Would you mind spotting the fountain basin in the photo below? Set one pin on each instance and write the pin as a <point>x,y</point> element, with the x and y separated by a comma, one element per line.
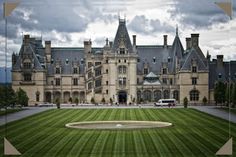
<point>113,125</point>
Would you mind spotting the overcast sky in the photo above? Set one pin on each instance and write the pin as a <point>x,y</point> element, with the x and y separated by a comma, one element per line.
<point>69,23</point>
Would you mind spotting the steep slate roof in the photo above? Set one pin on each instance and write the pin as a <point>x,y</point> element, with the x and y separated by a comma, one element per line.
<point>215,70</point>
<point>62,54</point>
<point>122,33</point>
<point>151,75</point>
<point>176,53</point>
<point>190,56</point>
<point>146,54</point>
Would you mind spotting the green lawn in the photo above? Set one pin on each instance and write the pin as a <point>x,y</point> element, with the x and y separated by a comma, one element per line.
<point>194,134</point>
<point>9,111</point>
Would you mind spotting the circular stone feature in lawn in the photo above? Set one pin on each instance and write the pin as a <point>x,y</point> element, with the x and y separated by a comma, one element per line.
<point>118,124</point>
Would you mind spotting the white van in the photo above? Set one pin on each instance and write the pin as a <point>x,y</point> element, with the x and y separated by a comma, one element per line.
<point>165,102</point>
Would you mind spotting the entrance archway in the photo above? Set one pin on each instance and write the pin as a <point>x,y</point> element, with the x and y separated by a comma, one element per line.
<point>122,97</point>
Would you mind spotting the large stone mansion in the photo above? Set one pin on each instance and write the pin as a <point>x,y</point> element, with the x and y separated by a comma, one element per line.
<point>120,71</point>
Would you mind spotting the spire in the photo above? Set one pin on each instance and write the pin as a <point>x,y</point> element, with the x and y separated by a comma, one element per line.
<point>177,30</point>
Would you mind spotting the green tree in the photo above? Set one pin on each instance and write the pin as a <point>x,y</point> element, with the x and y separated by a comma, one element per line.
<point>58,103</point>
<point>204,100</point>
<point>70,99</point>
<point>185,102</point>
<point>21,97</point>
<point>76,101</point>
<point>219,92</point>
<point>103,100</point>
<point>7,96</point>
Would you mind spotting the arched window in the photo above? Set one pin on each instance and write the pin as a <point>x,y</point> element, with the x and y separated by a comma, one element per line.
<point>176,95</point>
<point>194,95</point>
<point>157,95</point>
<point>147,95</point>
<point>166,94</point>
<point>139,96</point>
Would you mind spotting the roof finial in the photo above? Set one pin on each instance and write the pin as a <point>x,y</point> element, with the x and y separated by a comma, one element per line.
<point>177,30</point>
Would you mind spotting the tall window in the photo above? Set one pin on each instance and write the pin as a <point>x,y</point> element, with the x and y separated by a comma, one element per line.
<point>58,81</point>
<point>75,81</point>
<point>97,63</point>
<point>176,95</point>
<point>90,74</point>
<point>194,69</point>
<point>57,70</point>
<point>90,64</point>
<point>98,72</point>
<point>27,65</point>
<point>164,71</point>
<point>145,71</point>
<point>122,69</point>
<point>75,70</point>
<point>98,83</point>
<point>122,51</point>
<point>194,81</point>
<point>27,77</point>
<point>194,95</point>
<point>122,81</point>
<point>164,80</point>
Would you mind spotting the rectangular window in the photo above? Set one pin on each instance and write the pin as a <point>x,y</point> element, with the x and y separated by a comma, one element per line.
<point>164,71</point>
<point>75,81</point>
<point>107,71</point>
<point>106,82</point>
<point>164,80</point>
<point>27,65</point>
<point>107,91</point>
<point>122,51</point>
<point>106,60</point>
<point>194,69</point>
<point>37,97</point>
<point>27,77</point>
<point>75,70</point>
<point>171,82</point>
<point>137,80</point>
<point>90,85</point>
<point>90,64</point>
<point>97,63</point>
<point>90,74</point>
<point>98,72</point>
<point>145,71</point>
<point>58,81</point>
<point>98,83</point>
<point>57,70</point>
<point>194,81</point>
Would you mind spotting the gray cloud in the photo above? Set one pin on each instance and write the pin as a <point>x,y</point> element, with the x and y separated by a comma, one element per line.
<point>197,14</point>
<point>141,24</point>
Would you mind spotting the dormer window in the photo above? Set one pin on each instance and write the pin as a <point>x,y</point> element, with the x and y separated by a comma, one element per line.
<point>194,69</point>
<point>169,59</point>
<point>154,59</point>
<point>57,70</point>
<point>145,71</point>
<point>219,75</point>
<point>164,71</point>
<point>52,61</point>
<point>122,51</point>
<point>27,65</point>
<point>75,70</point>
<point>67,61</point>
<point>81,61</point>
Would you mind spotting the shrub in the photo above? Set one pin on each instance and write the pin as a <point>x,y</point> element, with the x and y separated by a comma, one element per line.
<point>76,101</point>
<point>92,100</point>
<point>103,100</point>
<point>111,101</point>
<point>70,99</point>
<point>204,100</point>
<point>21,97</point>
<point>58,103</point>
<point>185,102</point>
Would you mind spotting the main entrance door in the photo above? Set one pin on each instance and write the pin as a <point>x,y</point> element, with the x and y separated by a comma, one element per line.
<point>122,97</point>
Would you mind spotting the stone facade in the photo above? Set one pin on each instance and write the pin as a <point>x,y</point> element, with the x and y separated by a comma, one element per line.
<point>121,71</point>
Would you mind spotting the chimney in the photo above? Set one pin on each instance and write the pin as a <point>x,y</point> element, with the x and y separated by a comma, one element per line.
<point>88,46</point>
<point>26,39</point>
<point>13,59</point>
<point>195,41</point>
<point>165,40</point>
<point>106,41</point>
<point>134,40</point>
<point>111,44</point>
<point>220,60</point>
<point>188,43</point>
<point>48,51</point>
